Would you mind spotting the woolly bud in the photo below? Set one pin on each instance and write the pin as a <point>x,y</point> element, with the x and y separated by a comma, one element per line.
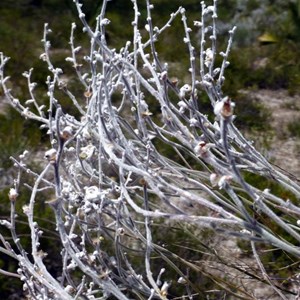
<point>202,149</point>
<point>183,90</point>
<point>224,107</point>
<point>197,24</point>
<point>92,193</point>
<point>66,133</point>
<point>183,106</point>
<point>50,155</point>
<point>224,180</point>
<point>12,195</point>
<point>164,289</point>
<point>105,22</point>
<point>209,56</point>
<point>69,289</point>
<point>214,179</point>
<point>182,280</point>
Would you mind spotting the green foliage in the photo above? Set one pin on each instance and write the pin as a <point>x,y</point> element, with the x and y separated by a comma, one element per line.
<point>262,184</point>
<point>116,27</point>
<point>264,67</point>
<point>252,115</point>
<point>282,71</point>
<point>18,40</point>
<point>16,136</point>
<point>294,128</point>
<point>12,4</point>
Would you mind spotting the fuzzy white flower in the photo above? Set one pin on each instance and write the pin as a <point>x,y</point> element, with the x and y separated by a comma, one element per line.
<point>164,288</point>
<point>181,280</point>
<point>193,122</point>
<point>223,181</point>
<point>50,155</point>
<point>202,149</point>
<point>92,193</point>
<point>69,59</point>
<point>29,101</point>
<point>183,106</point>
<point>25,209</point>
<point>66,133</point>
<point>197,24</point>
<point>13,194</point>
<point>224,107</point>
<point>209,55</point>
<point>184,89</point>
<point>69,289</point>
<point>209,9</point>
<point>218,108</point>
<point>214,178</point>
<point>105,22</point>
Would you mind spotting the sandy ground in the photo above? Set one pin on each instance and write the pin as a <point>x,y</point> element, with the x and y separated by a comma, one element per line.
<point>285,149</point>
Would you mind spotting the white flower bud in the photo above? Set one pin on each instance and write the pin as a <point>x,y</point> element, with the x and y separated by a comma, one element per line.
<point>209,9</point>
<point>225,179</point>
<point>66,133</point>
<point>181,280</point>
<point>209,55</point>
<point>12,195</point>
<point>224,107</point>
<point>164,289</point>
<point>218,108</point>
<point>197,24</point>
<point>184,89</point>
<point>50,155</point>
<point>92,193</point>
<point>193,122</point>
<point>202,149</point>
<point>183,106</point>
<point>69,59</point>
<point>105,22</point>
<point>69,289</point>
<point>25,209</point>
<point>27,102</point>
<point>214,179</point>
<point>43,56</point>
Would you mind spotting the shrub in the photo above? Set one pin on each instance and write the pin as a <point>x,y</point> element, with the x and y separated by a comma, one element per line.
<point>131,216</point>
